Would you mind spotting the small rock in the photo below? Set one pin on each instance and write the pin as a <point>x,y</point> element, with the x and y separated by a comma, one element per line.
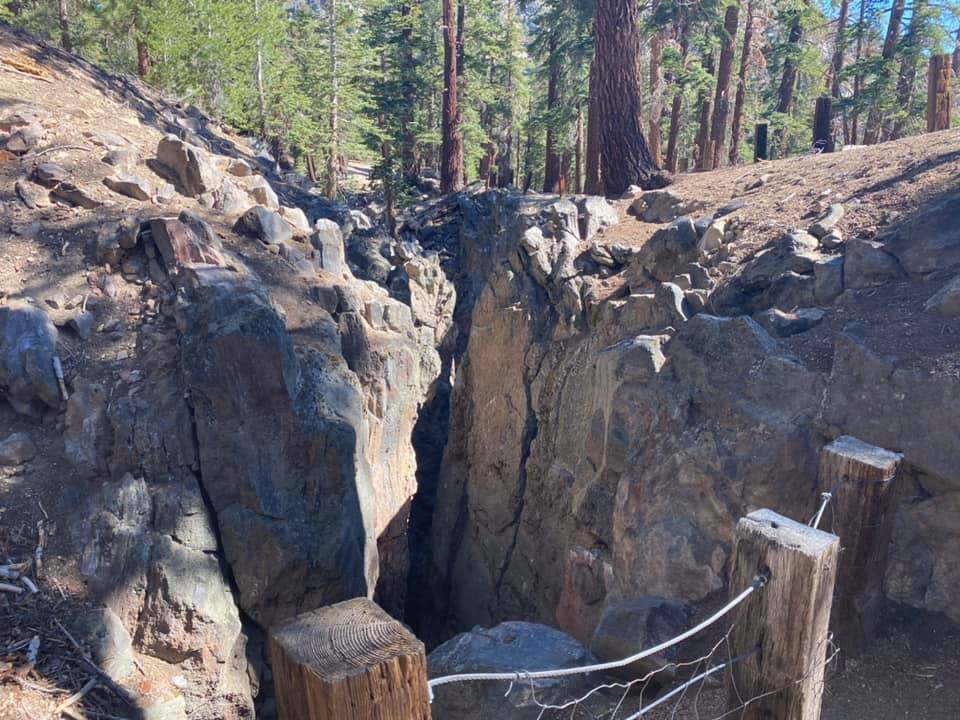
<point>197,176</point>
<point>832,240</point>
<point>759,182</point>
<point>683,282</point>
<point>129,185</point>
<point>33,197</point>
<point>867,263</point>
<point>828,279</point>
<point>74,302</point>
<point>264,224</point>
<point>632,624</point>
<point>327,241</point>
<point>713,236</point>
<point>17,449</point>
<point>75,195</point>
<point>360,220</point>
<point>166,193</point>
<point>784,324</point>
<point>104,138</point>
<point>297,218</point>
<point>730,207</point>
<point>828,222</point>
<point>123,160</point>
<point>947,300</point>
<point>238,167</point>
<point>49,174</point>
<point>263,193</point>
<point>55,301</point>
<point>82,324</point>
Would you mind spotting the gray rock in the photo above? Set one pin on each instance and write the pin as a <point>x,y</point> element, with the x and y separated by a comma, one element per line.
<point>166,193</point>
<point>505,648</point>
<point>660,206</point>
<point>239,167</point>
<point>131,186</point>
<point>106,139</point>
<point>833,240</point>
<point>297,219</point>
<point>112,648</point>
<point>261,191</point>
<point>712,238</point>
<point>867,263</point>
<point>630,625</point>
<point>828,222</point>
<point>595,213</point>
<point>17,449</point>
<point>196,175</point>
<point>123,160</point>
<point>828,279</point>
<point>25,138</point>
<point>784,324</point>
<point>29,344</point>
<point>49,174</point>
<point>668,251</point>
<point>82,323</point>
<point>788,291</point>
<point>265,225</point>
<point>327,240</point>
<point>360,220</point>
<point>75,195</point>
<point>699,276</point>
<point>947,300</point>
<point>33,197</point>
<point>929,240</point>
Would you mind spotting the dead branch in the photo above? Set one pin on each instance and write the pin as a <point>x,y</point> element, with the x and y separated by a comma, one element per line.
<point>76,697</point>
<point>117,690</point>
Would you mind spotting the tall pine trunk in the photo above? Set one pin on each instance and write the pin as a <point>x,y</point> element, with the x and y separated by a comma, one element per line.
<point>656,90</point>
<point>334,150</point>
<point>676,109</point>
<point>63,15</point>
<point>788,81</point>
<point>721,101</point>
<point>839,45</point>
<point>737,125</point>
<point>409,162</point>
<point>624,157</point>
<point>858,78</point>
<point>706,110</point>
<point>578,153</point>
<point>504,161</point>
<point>871,133</point>
<point>258,76</point>
<point>451,154</point>
<point>908,69</point>
<point>592,184</point>
<point>552,170</point>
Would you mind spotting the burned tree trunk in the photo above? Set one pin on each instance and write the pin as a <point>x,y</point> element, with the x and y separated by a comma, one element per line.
<point>721,102</point>
<point>737,127</point>
<point>592,184</point>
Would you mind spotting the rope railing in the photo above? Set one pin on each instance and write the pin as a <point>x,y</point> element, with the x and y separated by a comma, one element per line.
<point>521,675</point>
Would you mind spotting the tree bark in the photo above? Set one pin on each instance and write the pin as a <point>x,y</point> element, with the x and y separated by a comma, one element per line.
<point>409,163</point>
<point>721,101</point>
<point>871,133</point>
<point>258,71</point>
<point>836,65</point>
<point>451,156</point>
<point>788,81</point>
<point>656,90</point>
<point>737,126</point>
<point>706,108</point>
<point>334,149</point>
<point>624,157</point>
<point>858,80</point>
<point>63,14</point>
<point>592,184</point>
<point>578,154</point>
<point>676,110</point>
<point>551,168</point>
<point>908,69</point>
<point>505,163</point>
<point>956,55</point>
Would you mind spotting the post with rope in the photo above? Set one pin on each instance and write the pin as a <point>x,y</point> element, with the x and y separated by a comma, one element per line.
<point>349,660</point>
<point>783,630</point>
<point>857,480</point>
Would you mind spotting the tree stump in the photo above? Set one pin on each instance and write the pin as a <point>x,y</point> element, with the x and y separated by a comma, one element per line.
<point>784,626</point>
<point>349,661</point>
<point>760,151</point>
<point>860,476</point>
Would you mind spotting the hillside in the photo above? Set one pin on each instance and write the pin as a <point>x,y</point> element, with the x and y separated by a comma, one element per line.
<point>526,408</point>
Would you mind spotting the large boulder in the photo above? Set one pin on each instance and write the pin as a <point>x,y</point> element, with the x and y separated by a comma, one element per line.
<point>27,350</point>
<point>595,214</point>
<point>265,225</point>
<point>196,175</point>
<point>508,647</point>
<point>667,253</point>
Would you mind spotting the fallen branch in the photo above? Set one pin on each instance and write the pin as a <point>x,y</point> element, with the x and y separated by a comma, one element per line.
<point>76,697</point>
<point>4,587</point>
<point>31,586</point>
<point>55,148</point>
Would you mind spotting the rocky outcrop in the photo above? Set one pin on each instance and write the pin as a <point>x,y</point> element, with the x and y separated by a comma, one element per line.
<point>29,345</point>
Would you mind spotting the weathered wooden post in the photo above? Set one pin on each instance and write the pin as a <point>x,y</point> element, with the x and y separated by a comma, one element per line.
<point>785,624</point>
<point>349,661</point>
<point>938,93</point>
<point>760,142</point>
<point>860,478</point>
<point>823,125</point>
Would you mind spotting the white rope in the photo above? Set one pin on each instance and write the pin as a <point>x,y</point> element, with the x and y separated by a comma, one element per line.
<point>518,676</point>
<point>815,522</point>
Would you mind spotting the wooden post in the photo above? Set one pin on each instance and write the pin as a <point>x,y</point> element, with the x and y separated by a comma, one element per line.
<point>823,125</point>
<point>860,477</point>
<point>938,93</point>
<point>683,164</point>
<point>786,623</point>
<point>348,661</point>
<point>760,142</point>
